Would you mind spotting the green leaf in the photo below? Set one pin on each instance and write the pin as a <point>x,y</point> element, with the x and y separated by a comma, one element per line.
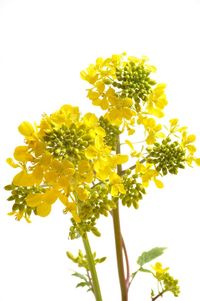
<point>82,284</point>
<point>150,255</point>
<point>81,276</point>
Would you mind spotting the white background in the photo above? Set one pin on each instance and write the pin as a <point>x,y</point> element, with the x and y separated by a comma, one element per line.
<point>43,46</point>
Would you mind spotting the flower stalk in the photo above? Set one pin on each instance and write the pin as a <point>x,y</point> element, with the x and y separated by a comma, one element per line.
<point>91,264</point>
<point>119,243</point>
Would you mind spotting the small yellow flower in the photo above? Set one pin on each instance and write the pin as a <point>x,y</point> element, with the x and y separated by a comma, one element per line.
<point>159,269</point>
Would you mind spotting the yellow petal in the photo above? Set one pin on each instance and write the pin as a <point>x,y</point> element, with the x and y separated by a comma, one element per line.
<point>43,209</point>
<point>191,138</point>
<point>64,199</point>
<point>82,193</point>
<point>129,143</point>
<point>100,86</point>
<point>26,128</point>
<point>75,216</point>
<point>90,119</point>
<point>21,154</point>
<point>174,121</point>
<point>50,196</point>
<point>24,179</point>
<point>91,152</point>
<point>33,200</point>
<point>121,188</point>
<point>197,161</point>
<point>83,166</point>
<point>158,183</point>
<point>114,190</point>
<point>120,159</point>
<point>11,162</point>
<point>192,149</point>
<point>150,138</point>
<point>92,95</point>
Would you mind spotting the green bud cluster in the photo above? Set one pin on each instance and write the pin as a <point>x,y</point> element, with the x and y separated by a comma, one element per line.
<point>112,132</point>
<point>133,81</point>
<point>170,284</point>
<point>167,156</point>
<point>89,211</point>
<point>68,142</point>
<point>19,194</point>
<point>134,190</point>
<point>81,259</point>
<point>78,230</point>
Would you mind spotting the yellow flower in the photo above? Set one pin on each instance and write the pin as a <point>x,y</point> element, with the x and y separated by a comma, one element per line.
<point>157,101</point>
<point>85,172</point>
<point>116,184</point>
<point>159,269</point>
<point>23,178</point>
<point>82,193</point>
<point>42,201</point>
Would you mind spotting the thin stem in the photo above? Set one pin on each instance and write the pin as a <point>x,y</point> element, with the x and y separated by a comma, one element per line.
<point>118,240</point>
<point>119,253</point>
<point>159,295</point>
<point>132,167</point>
<point>91,264</point>
<point>127,263</point>
<point>90,280</point>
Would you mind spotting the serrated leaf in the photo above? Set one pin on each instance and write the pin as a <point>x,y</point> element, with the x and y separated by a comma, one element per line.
<point>82,284</point>
<point>150,255</point>
<point>81,276</point>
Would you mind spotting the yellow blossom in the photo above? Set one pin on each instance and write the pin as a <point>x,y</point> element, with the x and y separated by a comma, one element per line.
<point>159,269</point>
<point>26,129</point>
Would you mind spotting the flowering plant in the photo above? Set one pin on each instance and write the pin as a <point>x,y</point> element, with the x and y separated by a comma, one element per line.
<point>93,164</point>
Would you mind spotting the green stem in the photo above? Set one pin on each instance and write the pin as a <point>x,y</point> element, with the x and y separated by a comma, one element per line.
<point>91,264</point>
<point>119,253</point>
<point>118,241</point>
<point>159,295</point>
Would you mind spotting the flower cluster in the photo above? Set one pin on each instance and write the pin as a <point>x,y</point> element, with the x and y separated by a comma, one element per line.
<point>76,159</point>
<point>112,132</point>
<point>166,281</point>
<point>167,156</point>
<point>134,190</point>
<point>123,86</point>
<point>97,202</point>
<point>65,158</point>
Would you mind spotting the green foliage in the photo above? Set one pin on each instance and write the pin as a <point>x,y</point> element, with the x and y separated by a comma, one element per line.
<point>150,255</point>
<point>86,281</point>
